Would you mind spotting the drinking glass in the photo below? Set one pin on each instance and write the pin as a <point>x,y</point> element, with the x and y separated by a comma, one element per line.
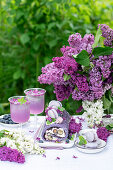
<point>19,109</point>
<point>36,97</point>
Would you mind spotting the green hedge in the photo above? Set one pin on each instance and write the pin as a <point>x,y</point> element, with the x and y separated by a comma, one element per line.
<point>33,31</point>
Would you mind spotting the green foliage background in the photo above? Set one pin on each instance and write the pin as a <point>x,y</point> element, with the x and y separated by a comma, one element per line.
<point>33,31</point>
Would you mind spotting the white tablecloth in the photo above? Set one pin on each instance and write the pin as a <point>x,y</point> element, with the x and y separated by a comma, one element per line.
<point>99,161</point>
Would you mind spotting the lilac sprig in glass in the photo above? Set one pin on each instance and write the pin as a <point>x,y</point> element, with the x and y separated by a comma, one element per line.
<point>36,97</point>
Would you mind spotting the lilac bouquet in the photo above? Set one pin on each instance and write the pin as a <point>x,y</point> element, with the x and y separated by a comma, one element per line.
<point>85,69</point>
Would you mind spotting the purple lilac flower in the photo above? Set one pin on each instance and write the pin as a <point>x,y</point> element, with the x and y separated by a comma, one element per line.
<point>12,155</point>
<point>81,82</point>
<point>103,133</point>
<point>96,83</point>
<point>88,38</point>
<point>81,119</point>
<point>78,95</point>
<point>44,155</point>
<point>49,119</point>
<point>108,34</point>
<point>81,87</point>
<point>75,40</point>
<point>107,116</point>
<point>75,156</point>
<point>57,158</point>
<point>51,74</point>
<point>74,127</point>
<point>62,92</point>
<point>79,109</point>
<point>68,64</point>
<point>104,62</point>
<point>87,47</point>
<point>69,51</point>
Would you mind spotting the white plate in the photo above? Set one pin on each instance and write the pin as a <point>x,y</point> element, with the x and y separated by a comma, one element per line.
<point>90,150</point>
<point>53,145</point>
<point>11,125</point>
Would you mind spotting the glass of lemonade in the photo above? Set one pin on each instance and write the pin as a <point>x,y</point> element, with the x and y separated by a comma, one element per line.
<point>19,109</point>
<point>36,97</point>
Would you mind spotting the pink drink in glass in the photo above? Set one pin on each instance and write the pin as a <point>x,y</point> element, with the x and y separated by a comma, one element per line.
<point>36,104</point>
<point>20,113</point>
<point>36,98</point>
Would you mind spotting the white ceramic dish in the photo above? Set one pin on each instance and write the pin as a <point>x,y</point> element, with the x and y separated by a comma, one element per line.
<point>11,125</point>
<point>53,145</point>
<point>83,149</point>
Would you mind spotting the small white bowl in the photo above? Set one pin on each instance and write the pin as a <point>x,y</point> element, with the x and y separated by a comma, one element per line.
<point>86,149</point>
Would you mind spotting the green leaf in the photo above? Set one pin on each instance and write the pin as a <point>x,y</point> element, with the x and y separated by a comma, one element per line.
<point>82,58</point>
<point>53,119</point>
<point>82,140</point>
<point>61,109</point>
<point>72,137</point>
<point>109,127</point>
<point>17,75</point>
<point>1,134</point>
<point>19,14</point>
<point>10,20</point>
<point>66,77</point>
<point>24,38</point>
<point>101,42</point>
<point>17,2</point>
<point>110,96</point>
<point>1,109</point>
<point>52,43</point>
<point>100,51</point>
<point>106,103</point>
<point>67,6</point>
<point>36,46</point>
<point>97,37</point>
<point>48,122</point>
<point>51,25</point>
<point>22,100</point>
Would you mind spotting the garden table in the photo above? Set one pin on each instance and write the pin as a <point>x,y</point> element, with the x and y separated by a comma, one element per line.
<point>98,161</point>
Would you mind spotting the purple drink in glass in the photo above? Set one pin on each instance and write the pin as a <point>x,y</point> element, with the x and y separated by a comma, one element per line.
<point>36,97</point>
<point>36,104</point>
<point>20,112</point>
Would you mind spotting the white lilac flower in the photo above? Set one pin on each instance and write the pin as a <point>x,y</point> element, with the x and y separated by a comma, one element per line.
<point>23,143</point>
<point>93,112</point>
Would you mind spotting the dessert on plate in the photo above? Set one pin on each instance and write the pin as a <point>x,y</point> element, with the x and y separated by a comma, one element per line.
<point>56,127</point>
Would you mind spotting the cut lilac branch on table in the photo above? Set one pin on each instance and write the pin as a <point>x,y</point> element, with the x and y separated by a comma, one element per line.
<point>103,133</point>
<point>44,155</point>
<point>12,155</point>
<point>74,156</point>
<point>74,127</point>
<point>57,158</point>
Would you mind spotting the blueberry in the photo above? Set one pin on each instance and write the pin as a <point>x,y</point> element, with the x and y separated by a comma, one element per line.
<point>67,140</point>
<point>69,137</point>
<point>2,121</point>
<point>9,119</point>
<point>11,122</point>
<point>6,121</point>
<point>5,117</point>
<point>41,141</point>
